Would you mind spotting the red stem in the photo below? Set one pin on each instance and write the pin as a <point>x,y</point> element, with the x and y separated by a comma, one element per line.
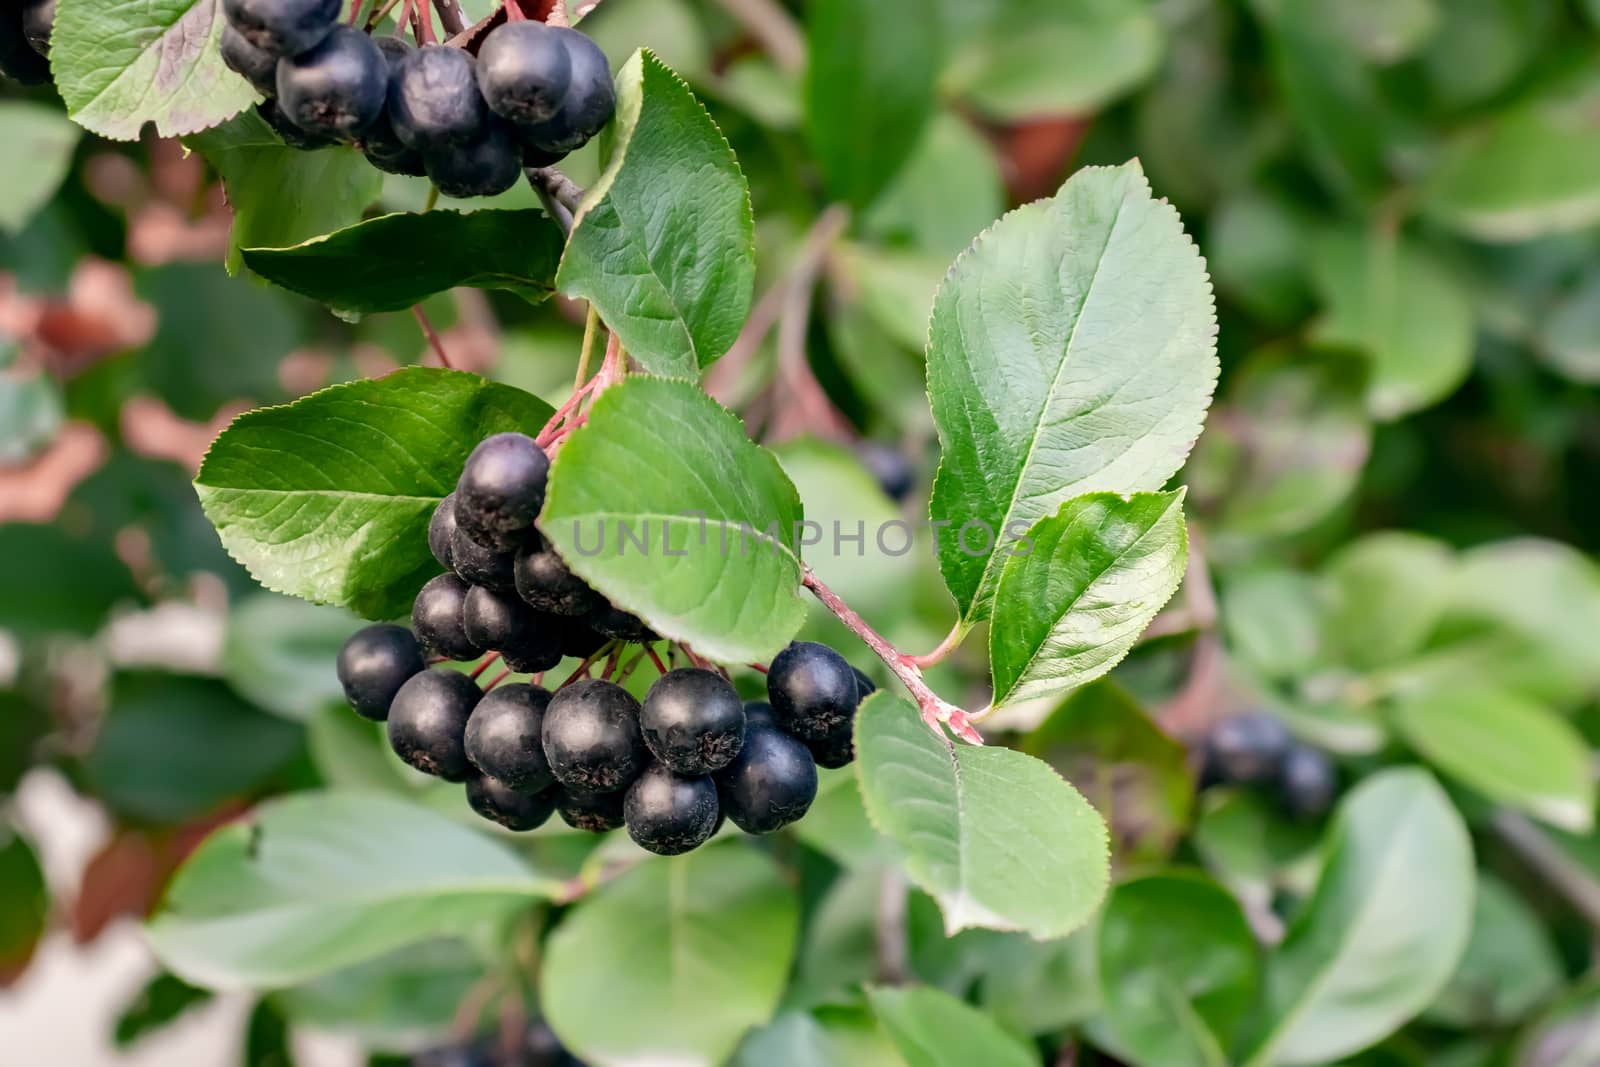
<point>583,668</point>
<point>934,710</point>
<point>514,12</point>
<point>355,11</point>
<point>758,667</point>
<point>947,646</point>
<point>432,335</point>
<point>551,431</point>
<point>502,676</point>
<point>488,661</point>
<point>655,658</point>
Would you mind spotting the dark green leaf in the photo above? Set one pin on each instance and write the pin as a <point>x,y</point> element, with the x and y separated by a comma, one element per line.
<point>162,1001</point>
<point>57,582</point>
<point>266,1038</point>
<point>280,653</point>
<point>27,904</point>
<point>1509,967</point>
<point>39,143</point>
<point>1385,593</point>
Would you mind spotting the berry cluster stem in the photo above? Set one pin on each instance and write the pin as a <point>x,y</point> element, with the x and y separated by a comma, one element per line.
<point>934,709</point>
<point>450,16</point>
<point>432,335</point>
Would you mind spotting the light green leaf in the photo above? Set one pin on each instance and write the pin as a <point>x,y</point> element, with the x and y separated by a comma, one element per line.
<point>673,961</point>
<point>1095,574</point>
<point>281,196</point>
<point>328,498</point>
<point>324,880</point>
<point>39,144</point>
<point>1568,337</point>
<point>394,261</point>
<point>837,824</point>
<point>834,1037</point>
<point>662,503</point>
<point>279,653</point>
<point>1384,595</point>
<point>393,1003</point>
<point>663,244</point>
<point>31,411</point>
<point>1382,933</point>
<point>948,191</point>
<point>996,836</point>
<point>1386,298</point>
<point>1386,31</point>
<point>1506,747</point>
<point>1273,618</point>
<point>1073,350</point>
<point>122,63</point>
<point>934,1029</point>
<point>1510,966</point>
<point>869,90</point>
<point>1178,969</point>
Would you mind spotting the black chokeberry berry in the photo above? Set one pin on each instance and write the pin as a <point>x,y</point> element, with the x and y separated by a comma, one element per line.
<point>889,467</point>
<point>501,488</point>
<point>612,621</point>
<point>511,808</point>
<point>428,723</point>
<point>580,640</point>
<point>380,143</point>
<point>434,100</point>
<point>591,737</point>
<point>1247,749</point>
<point>481,564</point>
<point>336,88</point>
<point>442,530</point>
<point>836,750</point>
<point>505,737</point>
<point>38,18</point>
<point>498,621</point>
<point>18,60</point>
<point>438,618</point>
<point>535,156</point>
<point>257,67</point>
<point>668,813</point>
<point>593,812</point>
<point>524,70</point>
<point>374,663</point>
<point>283,27</point>
<point>865,686</point>
<point>591,97</point>
<point>769,784</point>
<point>1308,780</point>
<point>544,581</point>
<point>288,132</point>
<point>486,166</point>
<point>813,690</point>
<point>692,721</point>
<point>539,652</point>
<point>759,714</point>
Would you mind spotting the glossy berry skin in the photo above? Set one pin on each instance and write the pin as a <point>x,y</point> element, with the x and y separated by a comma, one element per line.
<point>283,27</point>
<point>337,88</point>
<point>255,66</point>
<point>442,531</point>
<point>769,784</point>
<point>836,750</point>
<point>670,814</point>
<point>487,166</point>
<point>18,61</point>
<point>497,620</point>
<point>511,808</point>
<point>379,143</point>
<point>438,620</point>
<point>505,737</point>
<point>433,98</point>
<point>591,97</point>
<point>524,70</point>
<point>544,581</point>
<point>38,18</point>
<point>501,488</point>
<point>865,686</point>
<point>591,737</point>
<point>428,723</point>
<point>540,652</point>
<point>288,132</point>
<point>1308,781</point>
<point>592,812</point>
<point>1247,749</point>
<point>374,663</point>
<point>813,690</point>
<point>692,721</point>
<point>482,565</point>
<point>758,714</point>
<point>612,621</point>
<point>579,640</point>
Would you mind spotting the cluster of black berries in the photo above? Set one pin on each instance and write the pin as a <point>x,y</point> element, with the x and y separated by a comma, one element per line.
<point>1257,750</point>
<point>669,769</point>
<point>539,1047</point>
<point>25,39</point>
<point>469,123</point>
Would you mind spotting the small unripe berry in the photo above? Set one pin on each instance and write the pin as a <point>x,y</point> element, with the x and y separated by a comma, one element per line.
<point>769,784</point>
<point>669,814</point>
<point>437,618</point>
<point>591,737</point>
<point>428,723</point>
<point>813,690</point>
<point>692,721</point>
<point>514,810</point>
<point>505,737</point>
<point>374,663</point>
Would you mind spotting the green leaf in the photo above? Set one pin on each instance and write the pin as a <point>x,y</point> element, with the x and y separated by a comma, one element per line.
<point>674,960</point>
<point>1567,1036</point>
<point>934,1029</point>
<point>279,653</point>
<point>323,880</point>
<point>30,413</point>
<point>1251,845</point>
<point>1178,969</point>
<point>121,64</point>
<point>1385,594</point>
<point>328,498</point>
<point>395,1002</point>
<point>837,824</point>
<point>163,1000</point>
<point>1384,930</point>
<point>39,144</point>
<point>281,196</point>
<point>663,504</point>
<point>27,909</point>
<point>1386,298</point>
<point>1530,170</point>
<point>1510,966</point>
<point>869,90</point>
<point>1039,57</point>
<point>663,244</point>
<point>996,836</point>
<point>1096,573</point>
<point>949,189</point>
<point>394,261</point>
<point>835,1037</point>
<point>55,581</point>
<point>1073,350</point>
<point>1273,618</point>
<point>1507,748</point>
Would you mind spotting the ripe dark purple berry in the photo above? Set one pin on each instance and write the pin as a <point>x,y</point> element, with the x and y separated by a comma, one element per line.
<point>593,812</point>
<point>813,690</point>
<point>497,620</point>
<point>481,564</point>
<point>288,132</point>
<point>505,737</point>
<point>692,721</point>
<point>18,60</point>
<point>485,166</point>
<point>1247,749</point>
<point>769,784</point>
<point>889,467</point>
<point>836,750</point>
<point>258,67</point>
<point>1308,781</point>
<point>524,70</point>
<point>428,723</point>
<point>283,27</point>
<point>544,581</point>
<point>380,144</point>
<point>442,530</point>
<point>433,98</point>
<point>865,686</point>
<point>336,88</point>
<point>591,737</point>
<point>38,18</point>
<point>511,808</point>
<point>501,488</point>
<point>580,641</point>
<point>540,652</point>
<point>374,663</point>
<point>438,619</point>
<point>670,814</point>
<point>612,621</point>
<point>759,714</point>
